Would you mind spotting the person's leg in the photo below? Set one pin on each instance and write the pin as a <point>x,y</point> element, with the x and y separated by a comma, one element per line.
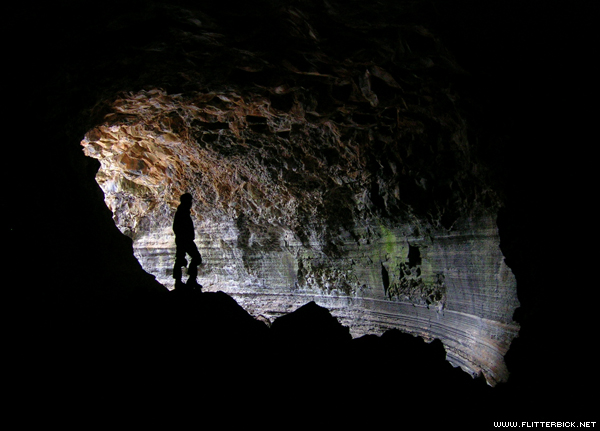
<point>179,262</point>
<point>192,250</point>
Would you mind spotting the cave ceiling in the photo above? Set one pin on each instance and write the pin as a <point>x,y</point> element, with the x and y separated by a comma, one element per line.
<point>294,113</point>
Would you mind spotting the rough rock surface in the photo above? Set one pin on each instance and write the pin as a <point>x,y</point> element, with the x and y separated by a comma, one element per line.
<point>332,163</point>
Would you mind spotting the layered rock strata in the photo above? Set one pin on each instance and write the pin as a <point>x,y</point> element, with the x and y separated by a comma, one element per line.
<point>291,209</point>
<point>328,150</point>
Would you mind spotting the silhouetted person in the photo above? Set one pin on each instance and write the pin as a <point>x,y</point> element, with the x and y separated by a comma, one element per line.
<point>184,241</point>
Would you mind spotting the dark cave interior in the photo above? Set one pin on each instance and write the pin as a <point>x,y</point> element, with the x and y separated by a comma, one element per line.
<point>82,297</point>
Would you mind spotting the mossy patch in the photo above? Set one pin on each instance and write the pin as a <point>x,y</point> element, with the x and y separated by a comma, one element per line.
<point>405,272</point>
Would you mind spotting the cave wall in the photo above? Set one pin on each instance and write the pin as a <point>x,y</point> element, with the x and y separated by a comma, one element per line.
<point>322,169</point>
<point>320,160</point>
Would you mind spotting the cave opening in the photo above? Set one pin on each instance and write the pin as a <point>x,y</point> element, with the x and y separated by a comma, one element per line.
<point>281,218</point>
<point>309,169</point>
<point>392,110</point>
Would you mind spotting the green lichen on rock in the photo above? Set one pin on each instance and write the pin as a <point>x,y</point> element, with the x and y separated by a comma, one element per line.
<point>389,241</point>
<point>406,275</point>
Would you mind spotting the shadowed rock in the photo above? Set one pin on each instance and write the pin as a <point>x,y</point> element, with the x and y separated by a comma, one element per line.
<point>310,325</point>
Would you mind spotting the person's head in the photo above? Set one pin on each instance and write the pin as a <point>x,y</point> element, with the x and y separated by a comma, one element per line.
<point>186,200</point>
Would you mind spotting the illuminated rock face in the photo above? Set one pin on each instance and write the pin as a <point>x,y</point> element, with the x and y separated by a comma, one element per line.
<point>290,209</point>
<point>328,159</point>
